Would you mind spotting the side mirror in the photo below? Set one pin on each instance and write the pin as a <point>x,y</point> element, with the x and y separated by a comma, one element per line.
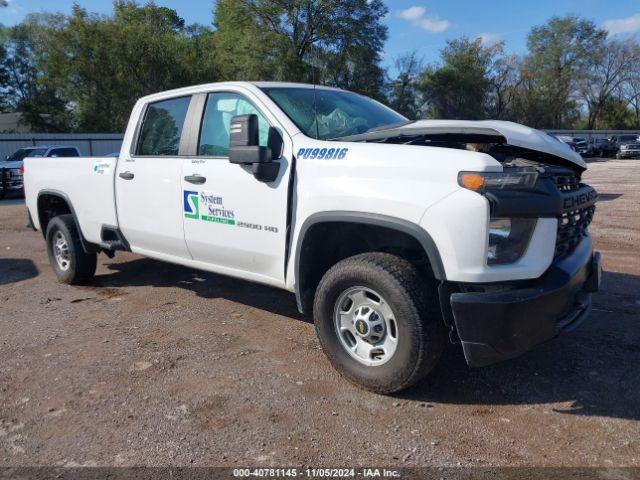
<point>245,149</point>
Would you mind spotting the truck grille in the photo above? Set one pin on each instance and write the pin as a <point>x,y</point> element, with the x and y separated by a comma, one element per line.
<point>572,225</point>
<point>572,228</point>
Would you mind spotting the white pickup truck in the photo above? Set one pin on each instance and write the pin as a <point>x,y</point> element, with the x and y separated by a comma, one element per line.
<point>399,236</point>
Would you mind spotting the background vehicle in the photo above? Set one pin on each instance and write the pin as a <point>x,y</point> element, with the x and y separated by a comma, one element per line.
<point>629,150</point>
<point>578,144</point>
<point>568,140</point>
<point>397,235</point>
<point>619,140</point>
<point>603,147</point>
<point>12,168</point>
<point>582,146</point>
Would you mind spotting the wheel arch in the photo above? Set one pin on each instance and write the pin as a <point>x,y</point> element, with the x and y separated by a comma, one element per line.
<point>52,203</point>
<point>363,219</point>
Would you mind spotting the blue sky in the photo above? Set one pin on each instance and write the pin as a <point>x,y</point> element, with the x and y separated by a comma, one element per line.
<point>423,26</point>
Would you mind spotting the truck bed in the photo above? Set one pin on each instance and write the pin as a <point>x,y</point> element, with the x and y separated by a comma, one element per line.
<point>87,182</point>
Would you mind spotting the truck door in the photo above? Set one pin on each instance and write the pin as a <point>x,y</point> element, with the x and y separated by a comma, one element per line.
<point>148,182</point>
<point>234,223</point>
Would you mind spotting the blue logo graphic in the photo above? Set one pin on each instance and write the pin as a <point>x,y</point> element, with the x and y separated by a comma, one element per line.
<point>191,204</point>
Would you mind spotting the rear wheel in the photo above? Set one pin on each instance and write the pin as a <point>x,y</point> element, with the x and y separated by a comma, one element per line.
<point>379,322</point>
<point>70,262</point>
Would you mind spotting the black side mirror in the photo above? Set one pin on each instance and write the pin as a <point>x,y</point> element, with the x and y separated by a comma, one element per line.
<point>245,149</point>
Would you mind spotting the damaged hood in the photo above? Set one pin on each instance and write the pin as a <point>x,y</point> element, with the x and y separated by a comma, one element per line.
<point>491,131</point>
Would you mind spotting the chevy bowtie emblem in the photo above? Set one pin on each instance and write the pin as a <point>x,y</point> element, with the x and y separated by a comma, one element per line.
<point>361,327</point>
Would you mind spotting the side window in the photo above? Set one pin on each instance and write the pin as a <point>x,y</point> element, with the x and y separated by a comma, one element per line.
<point>162,127</point>
<point>63,152</point>
<point>219,110</point>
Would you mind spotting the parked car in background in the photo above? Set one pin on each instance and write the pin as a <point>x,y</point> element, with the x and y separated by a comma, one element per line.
<point>603,147</point>
<point>568,140</point>
<point>619,140</point>
<point>578,144</point>
<point>582,146</point>
<point>629,150</point>
<point>12,168</point>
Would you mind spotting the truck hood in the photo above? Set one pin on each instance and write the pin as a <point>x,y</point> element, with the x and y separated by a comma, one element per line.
<point>492,130</point>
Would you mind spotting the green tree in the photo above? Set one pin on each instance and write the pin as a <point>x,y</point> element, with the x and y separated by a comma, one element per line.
<point>243,50</point>
<point>282,39</point>
<point>631,92</point>
<point>25,88</point>
<point>615,65</point>
<point>505,82</point>
<point>404,95</point>
<point>461,85</point>
<point>102,65</point>
<point>561,52</point>
<point>4,72</point>
<point>616,115</point>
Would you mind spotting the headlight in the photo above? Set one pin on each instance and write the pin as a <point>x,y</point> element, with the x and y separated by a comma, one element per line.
<point>482,181</point>
<point>624,147</point>
<point>508,239</point>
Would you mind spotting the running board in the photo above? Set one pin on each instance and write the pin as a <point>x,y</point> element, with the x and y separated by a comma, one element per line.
<point>112,240</point>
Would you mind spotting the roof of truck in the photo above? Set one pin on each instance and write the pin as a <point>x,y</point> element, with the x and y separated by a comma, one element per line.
<point>292,85</point>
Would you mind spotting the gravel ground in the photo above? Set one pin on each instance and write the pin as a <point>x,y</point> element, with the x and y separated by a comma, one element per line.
<point>155,364</point>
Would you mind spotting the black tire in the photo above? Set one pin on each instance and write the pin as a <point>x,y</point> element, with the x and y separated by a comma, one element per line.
<point>421,332</point>
<point>81,265</point>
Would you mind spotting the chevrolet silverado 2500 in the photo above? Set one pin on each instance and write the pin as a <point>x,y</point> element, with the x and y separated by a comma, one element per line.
<point>398,235</point>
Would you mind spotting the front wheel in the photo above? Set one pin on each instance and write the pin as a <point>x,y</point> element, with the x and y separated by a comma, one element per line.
<point>379,322</point>
<point>70,262</point>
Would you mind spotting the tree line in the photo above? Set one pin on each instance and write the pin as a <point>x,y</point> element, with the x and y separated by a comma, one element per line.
<point>84,71</point>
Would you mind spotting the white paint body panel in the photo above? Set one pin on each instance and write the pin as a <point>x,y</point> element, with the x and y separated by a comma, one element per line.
<point>86,181</point>
<point>415,184</point>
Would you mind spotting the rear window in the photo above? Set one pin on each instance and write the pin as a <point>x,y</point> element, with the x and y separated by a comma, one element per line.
<point>162,127</point>
<point>64,152</point>
<point>27,152</point>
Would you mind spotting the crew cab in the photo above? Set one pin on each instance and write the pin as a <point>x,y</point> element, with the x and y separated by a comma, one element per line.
<point>398,236</point>
<point>12,168</point>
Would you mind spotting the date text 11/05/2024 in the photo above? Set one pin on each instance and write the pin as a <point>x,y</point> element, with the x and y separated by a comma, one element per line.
<point>317,472</point>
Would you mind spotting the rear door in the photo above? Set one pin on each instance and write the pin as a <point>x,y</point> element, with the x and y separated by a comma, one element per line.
<point>234,223</point>
<point>148,182</point>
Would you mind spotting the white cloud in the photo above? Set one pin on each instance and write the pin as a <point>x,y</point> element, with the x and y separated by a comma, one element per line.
<point>419,17</point>
<point>623,25</point>
<point>489,39</point>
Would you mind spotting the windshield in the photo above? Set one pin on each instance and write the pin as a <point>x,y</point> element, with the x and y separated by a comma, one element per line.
<point>628,138</point>
<point>26,152</point>
<point>339,113</point>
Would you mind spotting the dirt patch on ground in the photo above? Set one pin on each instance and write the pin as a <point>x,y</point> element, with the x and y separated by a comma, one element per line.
<point>155,364</point>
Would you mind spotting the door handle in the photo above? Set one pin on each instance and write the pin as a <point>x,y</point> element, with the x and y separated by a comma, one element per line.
<point>197,179</point>
<point>126,175</point>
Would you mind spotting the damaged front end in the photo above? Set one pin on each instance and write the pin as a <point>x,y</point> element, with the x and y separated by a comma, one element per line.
<point>540,179</point>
